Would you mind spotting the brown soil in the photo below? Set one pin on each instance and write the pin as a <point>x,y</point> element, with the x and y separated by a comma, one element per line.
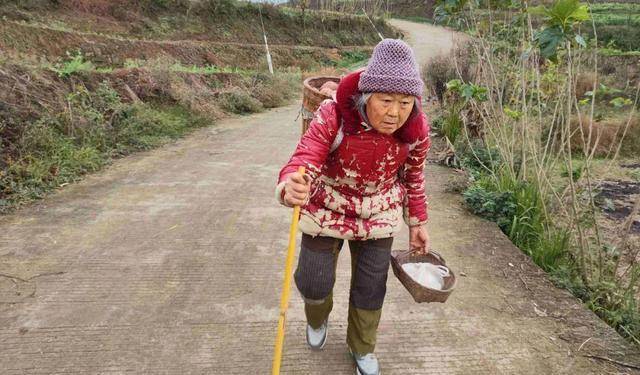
<point>37,44</point>
<point>616,198</point>
<point>209,21</point>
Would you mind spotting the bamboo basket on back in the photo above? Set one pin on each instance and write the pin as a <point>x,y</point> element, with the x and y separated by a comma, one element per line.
<point>312,98</point>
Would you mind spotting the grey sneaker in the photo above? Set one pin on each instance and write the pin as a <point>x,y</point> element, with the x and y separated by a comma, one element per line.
<point>316,338</point>
<point>366,364</point>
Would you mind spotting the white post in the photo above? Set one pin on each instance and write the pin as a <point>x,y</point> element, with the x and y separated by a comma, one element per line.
<point>374,26</point>
<point>266,45</point>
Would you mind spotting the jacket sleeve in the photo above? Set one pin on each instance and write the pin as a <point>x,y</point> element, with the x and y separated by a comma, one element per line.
<point>412,177</point>
<point>313,148</point>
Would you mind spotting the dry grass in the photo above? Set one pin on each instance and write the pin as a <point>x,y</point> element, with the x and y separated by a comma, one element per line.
<point>606,134</point>
<point>584,83</point>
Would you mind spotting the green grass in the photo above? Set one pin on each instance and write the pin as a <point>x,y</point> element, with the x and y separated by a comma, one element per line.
<point>608,8</point>
<point>352,59</point>
<point>617,52</point>
<point>616,19</point>
<point>418,19</point>
<point>75,64</point>
<point>617,25</point>
<point>209,69</point>
<point>517,208</point>
<point>60,149</point>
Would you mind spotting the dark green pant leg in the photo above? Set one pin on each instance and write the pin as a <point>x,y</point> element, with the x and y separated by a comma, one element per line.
<point>369,269</point>
<point>362,329</point>
<point>317,313</point>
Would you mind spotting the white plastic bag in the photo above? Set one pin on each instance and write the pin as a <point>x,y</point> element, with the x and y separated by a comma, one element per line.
<point>427,274</point>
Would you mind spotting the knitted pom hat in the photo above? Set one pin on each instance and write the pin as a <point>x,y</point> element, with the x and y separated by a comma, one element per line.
<point>392,69</point>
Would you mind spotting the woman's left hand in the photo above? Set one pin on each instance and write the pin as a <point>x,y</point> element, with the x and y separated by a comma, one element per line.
<point>419,239</point>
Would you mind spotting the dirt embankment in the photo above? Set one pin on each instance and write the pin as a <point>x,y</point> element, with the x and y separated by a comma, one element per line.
<point>212,20</point>
<point>136,43</point>
<point>37,44</point>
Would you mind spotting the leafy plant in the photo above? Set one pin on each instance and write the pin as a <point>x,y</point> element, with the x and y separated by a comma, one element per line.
<point>75,64</point>
<point>478,158</point>
<point>499,207</point>
<point>468,91</point>
<point>560,21</point>
<point>452,125</point>
<point>620,102</point>
<point>575,174</point>
<point>446,9</point>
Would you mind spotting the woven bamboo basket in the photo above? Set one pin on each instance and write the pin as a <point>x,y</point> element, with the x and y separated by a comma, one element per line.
<point>419,292</point>
<point>312,98</point>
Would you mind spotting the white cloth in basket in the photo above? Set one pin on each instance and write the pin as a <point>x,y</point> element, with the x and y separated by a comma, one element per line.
<point>427,274</point>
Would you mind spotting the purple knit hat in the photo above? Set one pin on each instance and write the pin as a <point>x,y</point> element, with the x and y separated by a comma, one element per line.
<point>392,69</point>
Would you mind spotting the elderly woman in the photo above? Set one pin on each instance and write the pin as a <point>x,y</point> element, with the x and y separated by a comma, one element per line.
<point>364,154</point>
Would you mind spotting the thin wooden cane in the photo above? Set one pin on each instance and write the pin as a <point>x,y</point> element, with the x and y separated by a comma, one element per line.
<point>286,288</point>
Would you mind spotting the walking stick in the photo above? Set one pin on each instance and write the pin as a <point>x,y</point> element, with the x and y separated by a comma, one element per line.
<point>286,288</point>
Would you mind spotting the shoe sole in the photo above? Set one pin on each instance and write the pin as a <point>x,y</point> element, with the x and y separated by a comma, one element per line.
<point>326,335</point>
<point>359,373</point>
<point>357,369</point>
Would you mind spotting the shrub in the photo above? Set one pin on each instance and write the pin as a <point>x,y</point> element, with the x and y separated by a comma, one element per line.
<point>48,159</point>
<point>96,127</point>
<point>349,59</point>
<point>477,157</point>
<point>441,69</point>
<point>141,127</point>
<point>274,91</point>
<point>498,207</point>
<point>437,73</point>
<point>239,102</point>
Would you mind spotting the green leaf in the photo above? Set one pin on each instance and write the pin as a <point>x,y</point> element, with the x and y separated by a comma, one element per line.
<point>511,113</point>
<point>549,39</point>
<point>620,102</point>
<point>564,14</point>
<point>480,93</point>
<point>454,84</point>
<point>467,92</point>
<point>581,14</point>
<point>539,10</point>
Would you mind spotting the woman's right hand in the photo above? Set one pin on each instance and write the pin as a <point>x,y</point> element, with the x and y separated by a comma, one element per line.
<point>296,189</point>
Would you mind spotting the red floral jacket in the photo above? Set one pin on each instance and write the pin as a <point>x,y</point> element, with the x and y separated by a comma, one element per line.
<point>364,188</point>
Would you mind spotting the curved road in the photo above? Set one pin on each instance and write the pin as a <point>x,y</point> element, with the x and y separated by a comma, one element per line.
<point>170,262</point>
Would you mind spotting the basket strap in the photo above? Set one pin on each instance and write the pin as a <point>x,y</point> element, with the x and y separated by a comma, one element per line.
<point>306,114</point>
<point>338,139</point>
<point>437,255</point>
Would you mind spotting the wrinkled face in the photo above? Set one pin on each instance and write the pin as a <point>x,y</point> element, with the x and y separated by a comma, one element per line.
<point>387,112</point>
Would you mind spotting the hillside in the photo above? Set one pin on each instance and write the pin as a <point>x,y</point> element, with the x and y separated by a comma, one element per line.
<point>86,81</point>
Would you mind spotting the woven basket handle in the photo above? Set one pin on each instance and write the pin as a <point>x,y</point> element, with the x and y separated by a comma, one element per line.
<point>435,253</point>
